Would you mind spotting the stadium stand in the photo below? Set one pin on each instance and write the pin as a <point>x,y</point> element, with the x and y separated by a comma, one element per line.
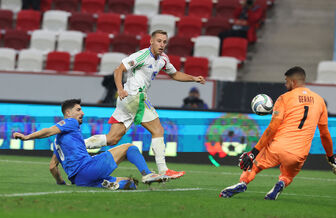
<point>163,22</point>
<point>146,7</point>
<point>83,22</point>
<point>224,69</point>
<point>58,61</point>
<point>226,7</point>
<point>326,72</point>
<point>180,46</point>
<point>215,25</point>
<point>200,8</point>
<point>55,20</point>
<point>45,5</point>
<point>109,23</point>
<point>13,5</point>
<point>125,43</point>
<point>145,41</point>
<point>86,62</point>
<point>173,7</point>
<point>197,66</point>
<point>97,42</point>
<point>136,24</point>
<point>175,61</point>
<point>28,20</point>
<point>93,6</point>
<point>121,6</point>
<point>66,5</point>
<point>16,39</point>
<point>43,41</point>
<point>6,19</point>
<point>189,27</point>
<point>7,59</point>
<point>30,60</point>
<point>235,47</point>
<point>70,41</point>
<point>110,61</point>
<point>206,46</point>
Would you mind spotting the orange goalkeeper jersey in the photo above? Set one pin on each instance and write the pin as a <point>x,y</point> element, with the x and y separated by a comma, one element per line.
<point>301,110</point>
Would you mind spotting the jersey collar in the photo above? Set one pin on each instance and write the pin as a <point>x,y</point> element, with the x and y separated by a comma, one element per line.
<point>152,54</point>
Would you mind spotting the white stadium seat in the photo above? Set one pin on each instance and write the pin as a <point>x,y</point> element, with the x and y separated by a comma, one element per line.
<point>146,7</point>
<point>326,72</point>
<point>163,22</point>
<point>224,68</point>
<point>207,46</point>
<point>110,61</point>
<point>55,20</point>
<point>13,5</point>
<point>30,60</point>
<point>7,58</point>
<point>43,40</point>
<point>70,41</point>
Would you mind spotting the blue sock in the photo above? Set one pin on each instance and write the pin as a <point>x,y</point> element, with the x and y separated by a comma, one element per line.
<point>135,157</point>
<point>127,184</point>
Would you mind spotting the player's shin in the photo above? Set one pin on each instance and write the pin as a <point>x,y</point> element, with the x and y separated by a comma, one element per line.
<point>135,157</point>
<point>96,141</point>
<point>159,147</point>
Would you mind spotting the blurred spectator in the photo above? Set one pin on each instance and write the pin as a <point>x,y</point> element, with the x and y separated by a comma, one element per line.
<point>31,4</point>
<point>193,101</point>
<point>111,90</point>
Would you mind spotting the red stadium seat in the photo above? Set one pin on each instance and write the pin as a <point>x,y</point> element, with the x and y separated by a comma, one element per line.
<point>235,47</point>
<point>59,61</point>
<point>173,7</point>
<point>45,5</point>
<point>86,62</point>
<point>109,23</point>
<point>66,5</point>
<point>125,43</point>
<point>226,7</point>
<point>6,19</point>
<point>93,6</point>
<point>180,46</point>
<point>175,61</point>
<point>121,6</point>
<point>145,41</point>
<point>28,20</point>
<point>215,25</point>
<point>196,66</point>
<point>200,8</point>
<point>136,24</point>
<point>189,27</point>
<point>97,42</point>
<point>81,22</point>
<point>17,39</point>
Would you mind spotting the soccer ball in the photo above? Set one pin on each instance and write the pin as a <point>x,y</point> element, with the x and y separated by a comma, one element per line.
<point>262,104</point>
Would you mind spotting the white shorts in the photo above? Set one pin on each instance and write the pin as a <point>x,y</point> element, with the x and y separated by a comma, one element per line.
<point>127,108</point>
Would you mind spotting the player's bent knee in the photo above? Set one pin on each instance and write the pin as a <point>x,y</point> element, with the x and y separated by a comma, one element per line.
<point>133,148</point>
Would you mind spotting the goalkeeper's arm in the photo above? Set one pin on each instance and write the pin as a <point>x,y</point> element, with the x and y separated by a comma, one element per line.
<point>327,145</point>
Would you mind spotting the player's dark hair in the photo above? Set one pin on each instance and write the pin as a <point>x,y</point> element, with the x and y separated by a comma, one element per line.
<point>297,71</point>
<point>159,32</point>
<point>69,104</point>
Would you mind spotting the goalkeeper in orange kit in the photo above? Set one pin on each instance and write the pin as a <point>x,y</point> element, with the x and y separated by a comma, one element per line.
<point>287,140</point>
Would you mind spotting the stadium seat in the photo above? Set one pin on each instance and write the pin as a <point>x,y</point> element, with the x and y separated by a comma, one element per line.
<point>326,72</point>
<point>83,22</point>
<point>146,7</point>
<point>70,41</point>
<point>163,22</point>
<point>207,46</point>
<point>235,47</point>
<point>180,46</point>
<point>226,7</point>
<point>66,5</point>
<point>145,41</point>
<point>59,61</point>
<point>93,6</point>
<point>136,25</point>
<point>175,61</point>
<point>224,69</point>
<point>200,8</point>
<point>45,5</point>
<point>43,41</point>
<point>86,62</point>
<point>189,27</point>
<point>125,43</point>
<point>55,20</point>
<point>109,23</point>
<point>196,66</point>
<point>97,42</point>
<point>110,61</point>
<point>6,19</point>
<point>30,60</point>
<point>28,20</point>
<point>173,7</point>
<point>7,59</point>
<point>215,25</point>
<point>121,6</point>
<point>16,39</point>
<point>13,5</point>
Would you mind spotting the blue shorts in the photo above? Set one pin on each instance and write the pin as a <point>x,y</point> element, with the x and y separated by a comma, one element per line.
<point>96,171</point>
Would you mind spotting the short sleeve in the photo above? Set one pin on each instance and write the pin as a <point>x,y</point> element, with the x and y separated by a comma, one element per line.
<point>168,67</point>
<point>68,125</point>
<point>279,108</point>
<point>324,116</point>
<point>134,59</point>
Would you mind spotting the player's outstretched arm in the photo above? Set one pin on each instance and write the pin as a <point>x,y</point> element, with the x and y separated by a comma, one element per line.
<point>327,145</point>
<point>43,133</point>
<point>53,167</point>
<point>182,77</point>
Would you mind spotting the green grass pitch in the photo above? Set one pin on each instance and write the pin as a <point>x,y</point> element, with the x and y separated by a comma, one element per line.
<point>28,190</point>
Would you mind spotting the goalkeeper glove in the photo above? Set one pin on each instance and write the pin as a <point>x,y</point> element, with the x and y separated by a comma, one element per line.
<point>247,158</point>
<point>332,162</point>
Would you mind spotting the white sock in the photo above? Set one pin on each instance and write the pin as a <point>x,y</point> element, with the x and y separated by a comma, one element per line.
<point>159,148</point>
<point>96,141</point>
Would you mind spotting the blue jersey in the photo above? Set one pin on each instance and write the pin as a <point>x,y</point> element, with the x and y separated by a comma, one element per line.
<point>69,147</point>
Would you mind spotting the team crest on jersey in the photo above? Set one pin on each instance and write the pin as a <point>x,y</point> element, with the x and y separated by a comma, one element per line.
<point>61,123</point>
<point>131,63</point>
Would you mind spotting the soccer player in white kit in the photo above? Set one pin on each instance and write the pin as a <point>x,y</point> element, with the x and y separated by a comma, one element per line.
<point>133,104</point>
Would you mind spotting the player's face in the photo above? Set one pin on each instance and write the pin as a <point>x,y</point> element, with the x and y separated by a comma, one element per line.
<point>158,43</point>
<point>77,113</point>
<point>289,83</point>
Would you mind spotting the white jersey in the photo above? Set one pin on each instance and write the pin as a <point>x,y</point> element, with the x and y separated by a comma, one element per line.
<point>142,68</point>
